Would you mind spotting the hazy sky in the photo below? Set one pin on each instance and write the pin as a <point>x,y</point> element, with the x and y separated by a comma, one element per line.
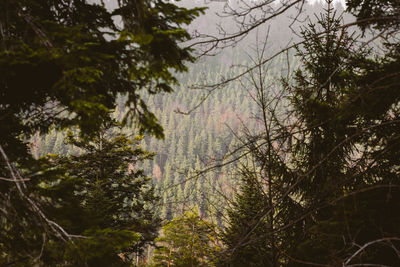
<point>335,1</point>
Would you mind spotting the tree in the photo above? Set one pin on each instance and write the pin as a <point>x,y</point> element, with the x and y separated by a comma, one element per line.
<point>246,236</point>
<point>64,63</point>
<point>379,14</point>
<point>320,87</point>
<point>78,59</point>
<point>331,157</point>
<point>348,119</point>
<point>187,241</point>
<point>98,198</point>
<point>114,194</point>
<point>263,220</point>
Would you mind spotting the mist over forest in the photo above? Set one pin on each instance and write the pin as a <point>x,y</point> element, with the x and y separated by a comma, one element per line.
<point>199,133</point>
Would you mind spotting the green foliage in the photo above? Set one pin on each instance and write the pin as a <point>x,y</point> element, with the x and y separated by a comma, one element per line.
<point>187,240</point>
<point>112,194</point>
<point>339,172</point>
<point>101,247</point>
<point>356,220</point>
<point>376,13</point>
<point>337,193</point>
<point>339,96</point>
<point>64,64</point>
<point>78,59</point>
<point>99,197</point>
<point>330,70</point>
<point>246,236</point>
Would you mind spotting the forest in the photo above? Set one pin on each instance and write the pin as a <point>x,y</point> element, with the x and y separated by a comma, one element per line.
<point>220,133</point>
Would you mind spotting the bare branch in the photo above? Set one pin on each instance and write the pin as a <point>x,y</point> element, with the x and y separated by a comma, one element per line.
<point>385,239</point>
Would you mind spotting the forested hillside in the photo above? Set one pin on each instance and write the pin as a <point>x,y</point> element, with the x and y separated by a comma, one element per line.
<point>210,133</point>
<point>159,133</point>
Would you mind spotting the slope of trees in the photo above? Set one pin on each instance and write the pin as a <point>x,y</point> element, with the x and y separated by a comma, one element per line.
<point>307,159</point>
<point>205,136</point>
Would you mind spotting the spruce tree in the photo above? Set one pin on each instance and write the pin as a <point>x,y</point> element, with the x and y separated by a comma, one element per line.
<point>343,132</point>
<point>246,236</point>
<point>107,203</point>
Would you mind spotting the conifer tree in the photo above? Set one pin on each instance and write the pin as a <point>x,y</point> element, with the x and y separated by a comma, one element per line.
<point>111,205</point>
<point>335,151</point>
<point>246,236</point>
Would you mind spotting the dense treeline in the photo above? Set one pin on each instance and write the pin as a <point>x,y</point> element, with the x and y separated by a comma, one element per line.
<point>204,137</point>
<point>294,163</point>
